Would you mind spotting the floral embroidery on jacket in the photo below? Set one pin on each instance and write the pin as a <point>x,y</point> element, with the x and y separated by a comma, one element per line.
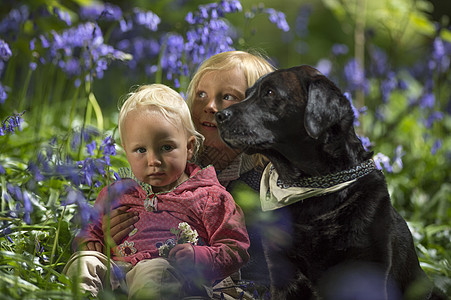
<point>126,248</point>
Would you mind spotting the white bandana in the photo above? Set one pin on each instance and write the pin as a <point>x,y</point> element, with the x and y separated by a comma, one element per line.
<point>272,196</point>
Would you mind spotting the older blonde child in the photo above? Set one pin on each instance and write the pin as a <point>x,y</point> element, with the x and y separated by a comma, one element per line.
<point>163,189</point>
<point>219,82</point>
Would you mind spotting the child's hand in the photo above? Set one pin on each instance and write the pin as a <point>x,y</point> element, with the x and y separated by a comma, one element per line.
<point>182,255</point>
<point>121,223</point>
<point>93,246</point>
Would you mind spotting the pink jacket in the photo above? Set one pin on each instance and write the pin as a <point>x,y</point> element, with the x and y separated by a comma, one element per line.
<point>200,201</point>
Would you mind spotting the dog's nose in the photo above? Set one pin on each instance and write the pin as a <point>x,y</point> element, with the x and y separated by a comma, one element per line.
<point>223,116</point>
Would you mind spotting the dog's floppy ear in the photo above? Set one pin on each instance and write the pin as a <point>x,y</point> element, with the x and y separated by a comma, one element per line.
<point>324,108</point>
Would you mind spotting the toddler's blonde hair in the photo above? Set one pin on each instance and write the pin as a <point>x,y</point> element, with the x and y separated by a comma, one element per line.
<point>168,102</point>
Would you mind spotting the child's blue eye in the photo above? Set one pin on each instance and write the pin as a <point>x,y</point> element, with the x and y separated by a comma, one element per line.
<point>166,148</point>
<point>141,150</point>
<point>229,97</point>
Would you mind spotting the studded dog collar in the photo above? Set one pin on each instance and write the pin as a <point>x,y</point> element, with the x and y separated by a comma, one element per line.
<point>274,194</point>
<point>330,180</point>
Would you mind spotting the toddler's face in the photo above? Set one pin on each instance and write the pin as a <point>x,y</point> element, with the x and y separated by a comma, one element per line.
<point>216,90</point>
<point>156,148</point>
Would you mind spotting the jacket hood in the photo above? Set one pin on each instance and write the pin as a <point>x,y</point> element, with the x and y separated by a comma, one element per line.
<point>198,177</point>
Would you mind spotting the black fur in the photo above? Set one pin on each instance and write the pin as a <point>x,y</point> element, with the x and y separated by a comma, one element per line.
<point>350,244</point>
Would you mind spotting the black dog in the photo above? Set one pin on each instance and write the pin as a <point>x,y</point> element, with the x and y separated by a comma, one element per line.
<point>334,234</point>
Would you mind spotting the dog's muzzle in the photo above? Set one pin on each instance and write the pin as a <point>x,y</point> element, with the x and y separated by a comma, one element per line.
<point>239,128</point>
<point>222,120</point>
<point>223,116</point>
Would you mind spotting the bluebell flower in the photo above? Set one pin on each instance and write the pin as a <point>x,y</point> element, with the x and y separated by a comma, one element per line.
<point>208,33</point>
<point>355,76</point>
<point>432,118</point>
<point>32,44</point>
<point>402,85</point>
<point>23,202</point>
<point>397,158</point>
<point>339,49</point>
<point>32,66</point>
<point>176,83</point>
<point>44,41</point>
<point>146,18</point>
<point>80,48</point>
<point>366,143</point>
<point>427,100</point>
<point>69,171</point>
<point>111,12</point>
<point>100,11</point>
<point>171,59</point>
<point>85,212</point>
<point>88,170</point>
<point>5,51</point>
<point>125,25</point>
<point>27,207</point>
<point>34,170</point>
<point>11,123</point>
<point>357,112</point>
<point>388,85</point>
<point>436,146</point>
<point>91,147</point>
<point>441,55</point>
<point>118,272</point>
<point>379,114</point>
<point>42,161</point>
<point>3,94</point>
<point>6,226</point>
<point>189,18</point>
<point>302,19</point>
<point>88,133</point>
<point>278,18</point>
<point>63,16</point>
<point>75,141</point>
<point>379,65</point>
<point>324,66</point>
<point>354,109</point>
<point>109,146</point>
<point>11,24</point>
<point>438,49</point>
<point>151,69</point>
<point>141,49</point>
<point>382,162</point>
<point>229,6</point>
<point>71,66</point>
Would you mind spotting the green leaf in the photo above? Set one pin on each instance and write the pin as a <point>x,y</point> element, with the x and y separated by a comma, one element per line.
<point>422,24</point>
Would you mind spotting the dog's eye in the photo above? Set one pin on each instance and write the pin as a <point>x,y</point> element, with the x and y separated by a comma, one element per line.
<point>269,93</point>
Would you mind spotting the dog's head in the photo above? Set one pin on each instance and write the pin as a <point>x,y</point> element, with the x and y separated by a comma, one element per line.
<point>288,105</point>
